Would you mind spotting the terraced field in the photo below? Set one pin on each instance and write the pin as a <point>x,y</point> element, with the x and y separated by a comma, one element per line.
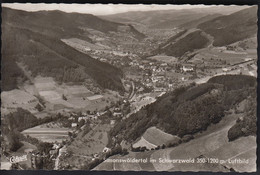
<point>48,134</point>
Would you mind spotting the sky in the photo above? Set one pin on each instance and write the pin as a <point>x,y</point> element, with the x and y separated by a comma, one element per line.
<point>96,9</point>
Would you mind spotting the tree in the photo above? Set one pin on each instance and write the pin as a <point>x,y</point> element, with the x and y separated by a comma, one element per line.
<point>124,151</point>
<point>45,147</point>
<point>64,98</point>
<point>14,141</point>
<point>81,123</point>
<point>163,146</point>
<point>39,107</point>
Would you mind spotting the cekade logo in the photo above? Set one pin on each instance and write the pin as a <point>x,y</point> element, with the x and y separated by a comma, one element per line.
<point>16,159</point>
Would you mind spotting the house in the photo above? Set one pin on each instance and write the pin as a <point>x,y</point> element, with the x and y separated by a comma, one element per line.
<point>117,114</point>
<point>116,109</point>
<point>92,117</point>
<point>106,149</point>
<point>225,69</point>
<point>112,122</point>
<point>96,155</point>
<point>164,64</point>
<point>187,68</point>
<point>183,79</point>
<point>74,125</point>
<point>56,146</point>
<point>83,118</point>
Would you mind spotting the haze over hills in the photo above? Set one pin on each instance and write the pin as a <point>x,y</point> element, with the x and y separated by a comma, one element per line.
<point>169,18</point>
<point>220,30</point>
<point>195,23</point>
<point>231,28</point>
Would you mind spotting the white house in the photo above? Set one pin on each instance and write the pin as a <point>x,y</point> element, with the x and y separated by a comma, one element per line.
<point>112,122</point>
<point>74,125</point>
<point>187,69</point>
<point>106,149</point>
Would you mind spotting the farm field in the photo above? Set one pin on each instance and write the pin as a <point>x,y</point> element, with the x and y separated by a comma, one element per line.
<point>141,101</point>
<point>48,132</point>
<point>217,54</point>
<point>164,58</point>
<point>77,96</point>
<point>154,137</point>
<point>92,142</point>
<point>158,137</point>
<point>81,44</point>
<point>143,142</point>
<point>17,98</point>
<point>85,145</point>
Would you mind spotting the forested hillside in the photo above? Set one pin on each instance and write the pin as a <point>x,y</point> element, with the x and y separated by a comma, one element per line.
<point>58,23</point>
<point>177,45</point>
<point>188,110</point>
<point>232,28</point>
<point>223,29</point>
<point>37,43</point>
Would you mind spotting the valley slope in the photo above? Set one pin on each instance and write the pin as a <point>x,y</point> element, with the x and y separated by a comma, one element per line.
<point>205,112</point>
<point>34,38</point>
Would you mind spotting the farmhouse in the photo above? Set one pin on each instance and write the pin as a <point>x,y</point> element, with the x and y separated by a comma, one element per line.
<point>187,68</point>
<point>82,118</point>
<point>225,69</point>
<point>106,149</point>
<point>112,122</point>
<point>74,125</point>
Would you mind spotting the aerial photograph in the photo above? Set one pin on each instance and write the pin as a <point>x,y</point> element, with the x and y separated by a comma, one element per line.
<point>117,87</point>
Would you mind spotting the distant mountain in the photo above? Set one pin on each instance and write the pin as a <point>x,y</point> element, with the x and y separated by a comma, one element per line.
<point>232,28</point>
<point>169,18</point>
<point>183,42</point>
<point>35,39</point>
<point>57,23</point>
<point>215,29</point>
<point>157,19</point>
<point>195,23</point>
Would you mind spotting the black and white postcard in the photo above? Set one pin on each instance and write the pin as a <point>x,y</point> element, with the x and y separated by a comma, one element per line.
<point>119,87</point>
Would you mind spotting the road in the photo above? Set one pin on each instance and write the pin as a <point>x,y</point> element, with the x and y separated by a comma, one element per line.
<point>57,160</point>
